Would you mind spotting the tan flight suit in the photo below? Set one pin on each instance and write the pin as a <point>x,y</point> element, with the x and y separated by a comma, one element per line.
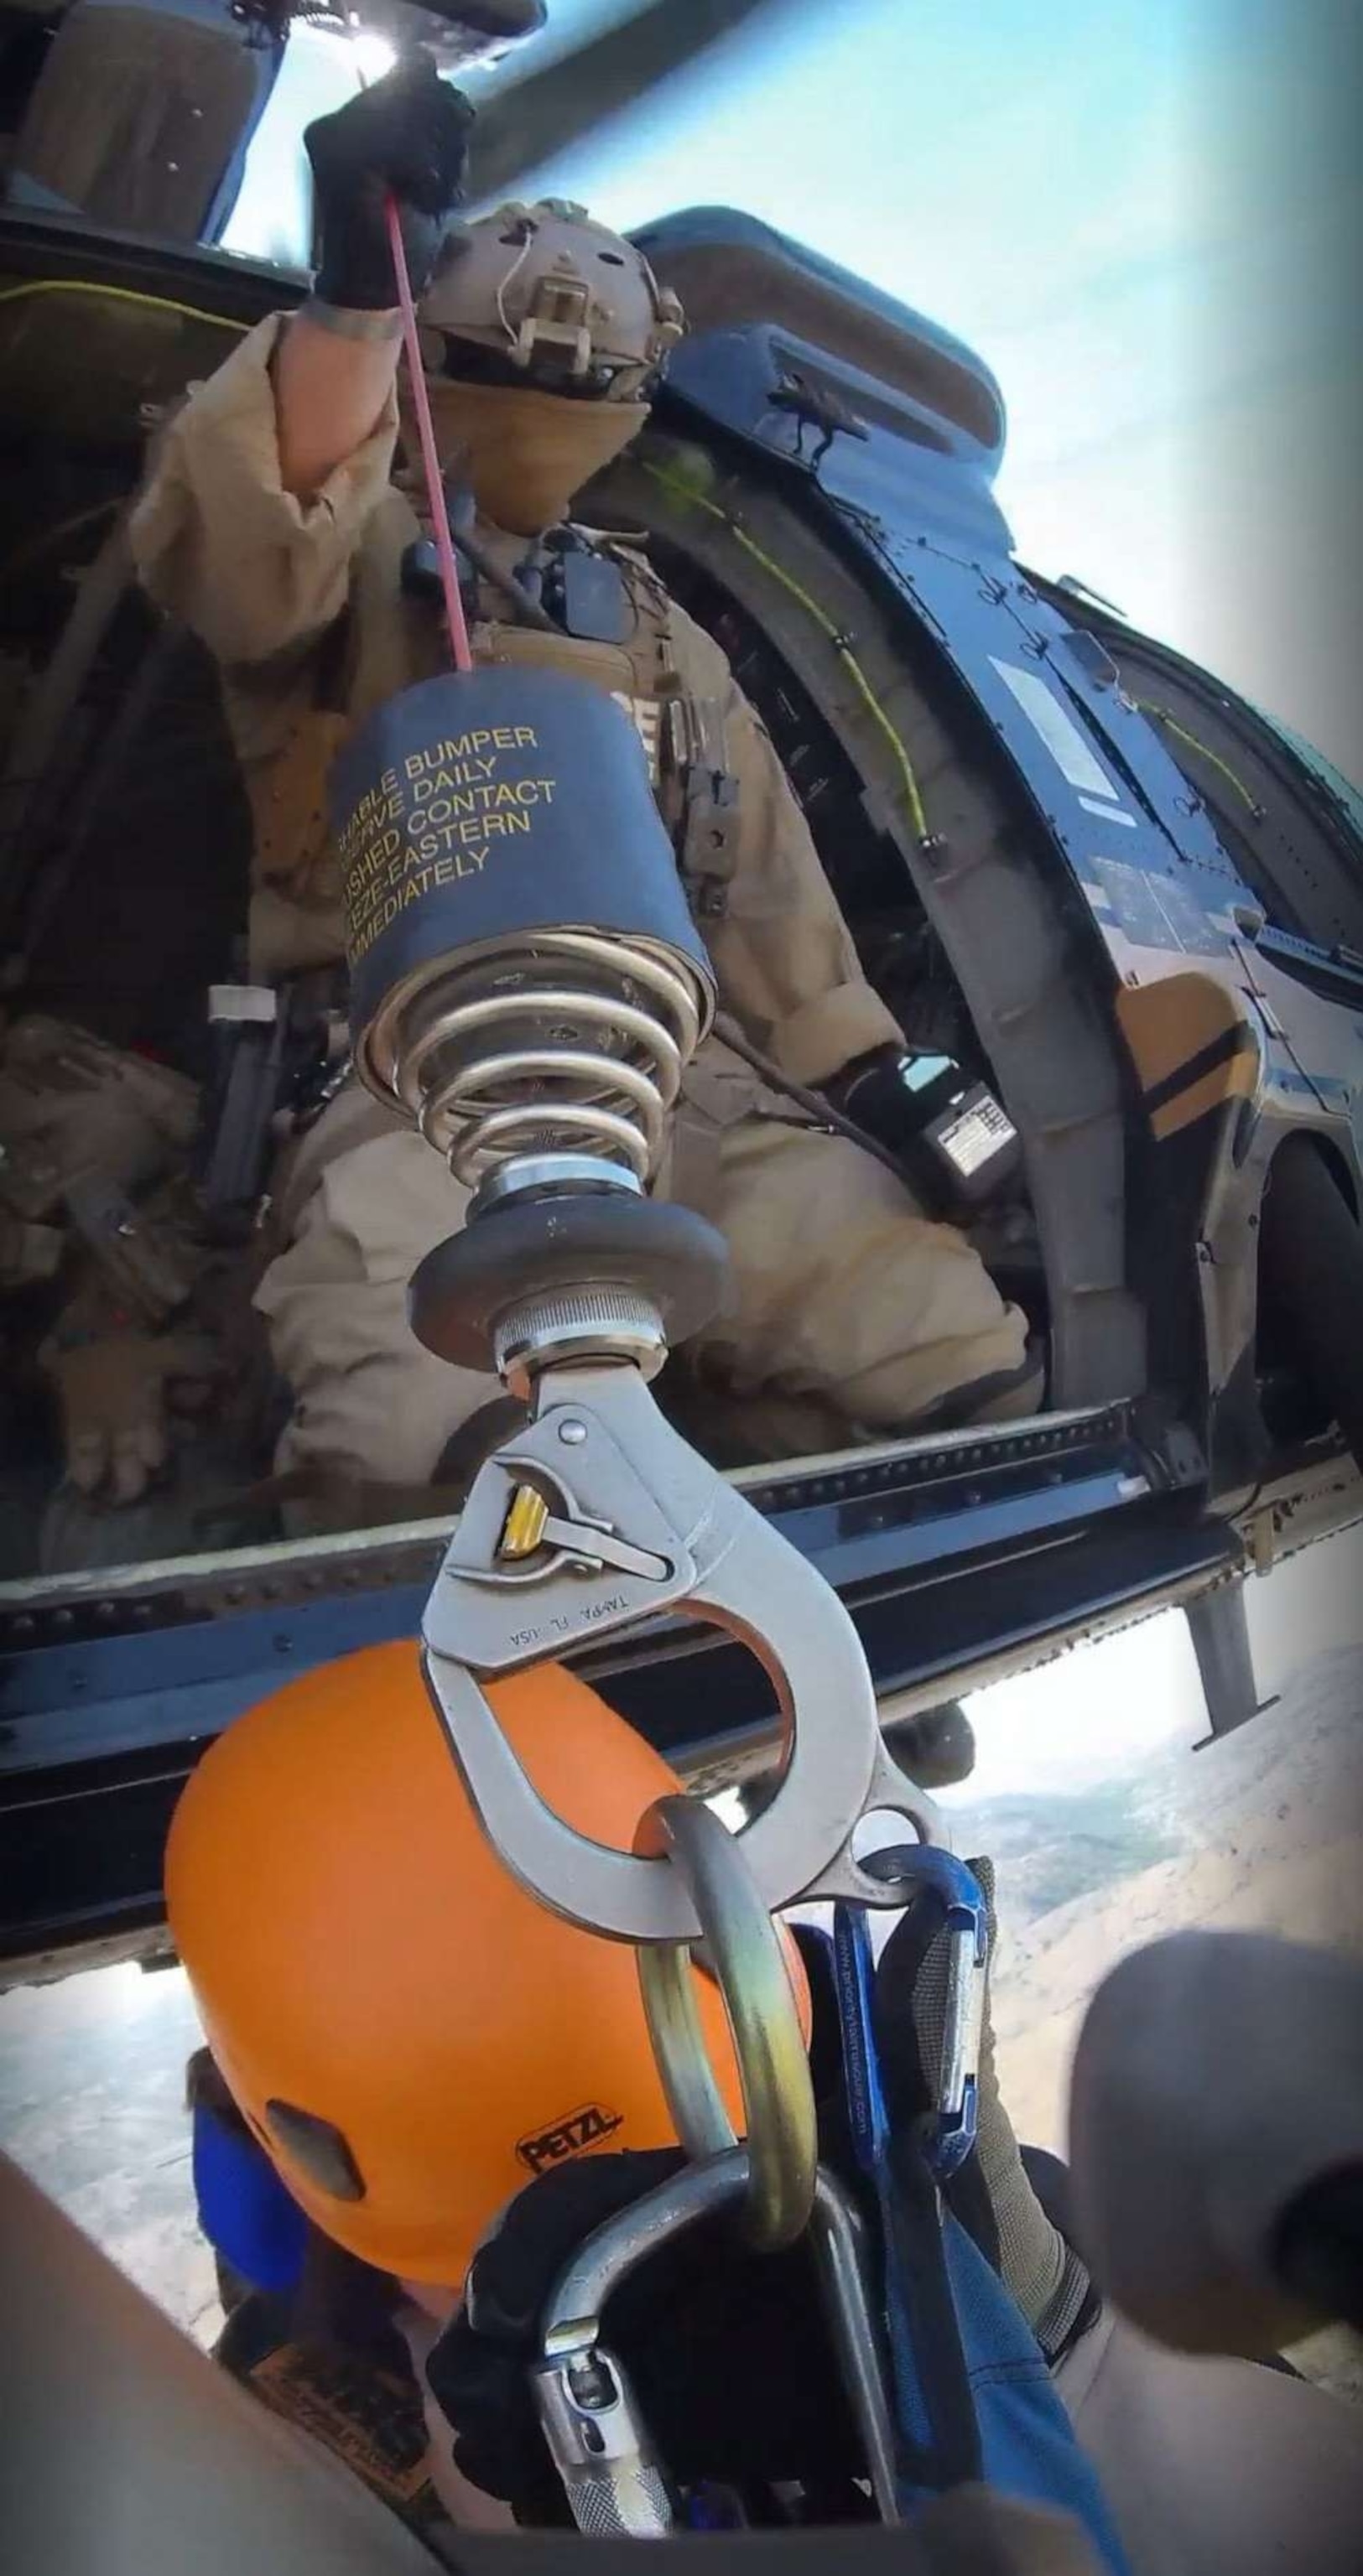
<point>852,1312</point>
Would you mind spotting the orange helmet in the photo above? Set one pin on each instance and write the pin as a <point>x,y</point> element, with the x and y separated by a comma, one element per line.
<point>409,2034</point>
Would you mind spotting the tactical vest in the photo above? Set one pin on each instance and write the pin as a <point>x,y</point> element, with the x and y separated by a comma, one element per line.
<point>389,638</point>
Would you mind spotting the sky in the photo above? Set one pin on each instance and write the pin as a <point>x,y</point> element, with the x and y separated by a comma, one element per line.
<point>1144,218</point>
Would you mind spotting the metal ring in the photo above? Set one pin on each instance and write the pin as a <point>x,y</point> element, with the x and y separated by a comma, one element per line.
<point>749,1966</point>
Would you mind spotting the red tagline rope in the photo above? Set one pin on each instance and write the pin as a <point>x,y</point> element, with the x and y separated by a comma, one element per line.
<point>435,488</point>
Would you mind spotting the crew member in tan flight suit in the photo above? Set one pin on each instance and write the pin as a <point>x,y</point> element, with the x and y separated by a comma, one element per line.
<point>273,527</point>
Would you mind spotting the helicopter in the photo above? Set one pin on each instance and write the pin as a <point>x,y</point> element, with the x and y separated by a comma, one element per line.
<point>1115,907</point>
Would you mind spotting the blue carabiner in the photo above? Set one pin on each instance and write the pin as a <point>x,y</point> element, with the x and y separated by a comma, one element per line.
<point>854,1975</point>
<point>854,1970</point>
<point>927,2365</point>
<point>930,1874</point>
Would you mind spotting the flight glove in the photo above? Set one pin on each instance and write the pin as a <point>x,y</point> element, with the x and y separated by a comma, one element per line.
<point>727,2361</point>
<point>726,2349</point>
<point>408,135</point>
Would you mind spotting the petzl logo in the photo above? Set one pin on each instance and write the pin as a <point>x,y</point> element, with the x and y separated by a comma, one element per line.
<point>567,2137</point>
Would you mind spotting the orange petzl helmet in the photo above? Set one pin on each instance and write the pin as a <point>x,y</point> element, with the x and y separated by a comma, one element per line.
<point>411,2035</point>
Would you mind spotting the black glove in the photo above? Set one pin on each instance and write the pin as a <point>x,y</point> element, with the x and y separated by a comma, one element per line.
<point>727,2351</point>
<point>408,134</point>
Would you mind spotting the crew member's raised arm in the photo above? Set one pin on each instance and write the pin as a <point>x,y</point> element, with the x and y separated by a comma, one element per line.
<point>332,393</point>
<point>334,370</point>
<point>248,528</point>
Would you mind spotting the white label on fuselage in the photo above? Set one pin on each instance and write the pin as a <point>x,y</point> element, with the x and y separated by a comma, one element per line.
<point>1058,731</point>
